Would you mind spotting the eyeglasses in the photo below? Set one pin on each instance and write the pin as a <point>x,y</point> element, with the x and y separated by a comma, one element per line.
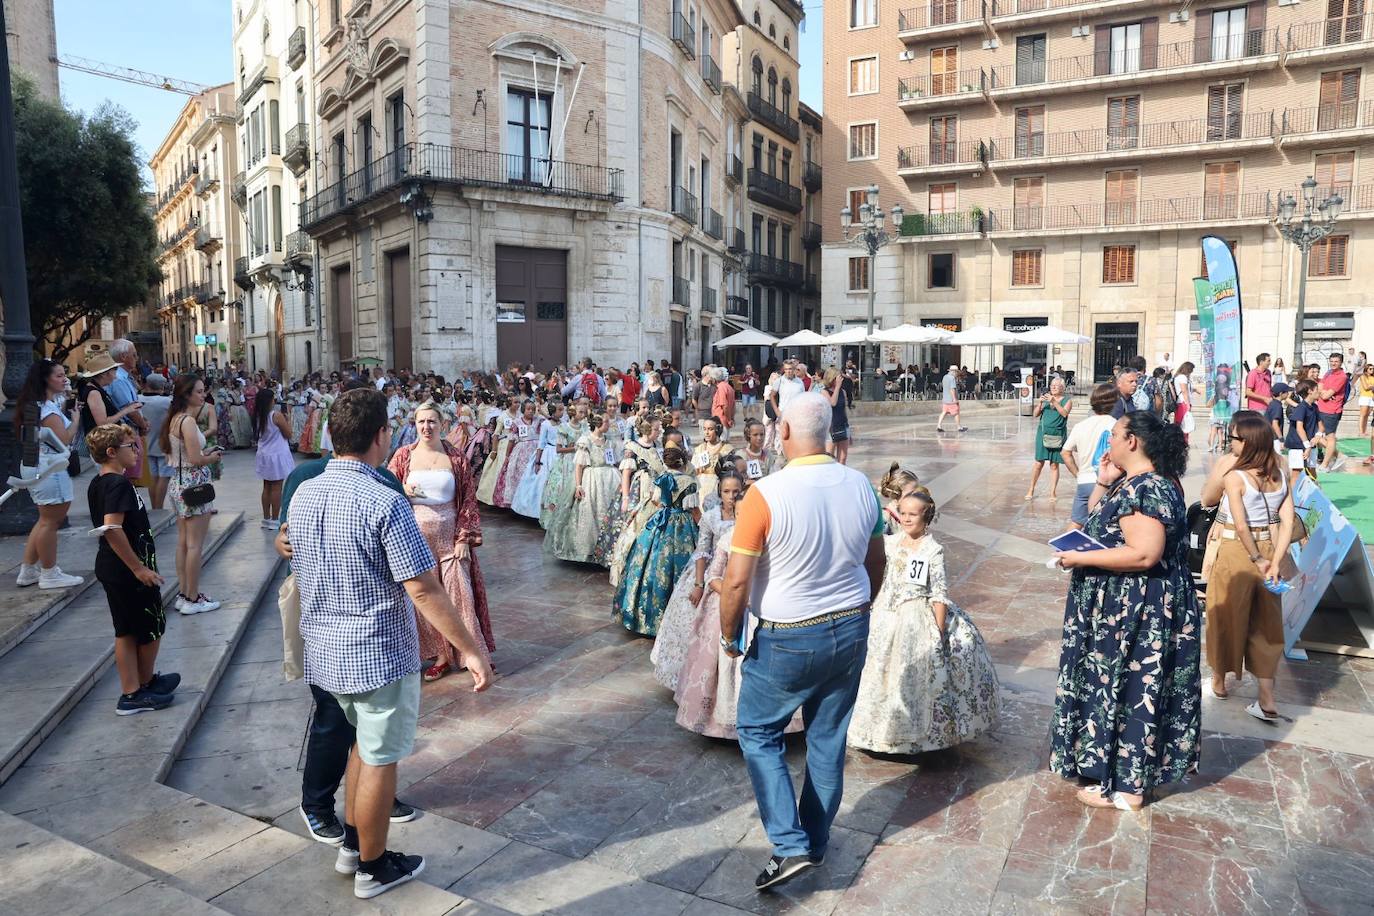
<point>1236,439</point>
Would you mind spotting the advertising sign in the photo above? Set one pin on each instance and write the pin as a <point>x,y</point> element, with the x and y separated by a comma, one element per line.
<point>1330,537</point>
<point>1224,381</point>
<point>200,340</point>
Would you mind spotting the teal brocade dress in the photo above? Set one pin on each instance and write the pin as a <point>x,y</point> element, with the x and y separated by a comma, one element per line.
<point>661,552</point>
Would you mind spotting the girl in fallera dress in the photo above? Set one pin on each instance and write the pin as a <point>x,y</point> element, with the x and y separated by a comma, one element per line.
<point>530,493</point>
<point>928,682</point>
<point>705,457</point>
<point>524,443</point>
<point>297,400</point>
<point>896,483</point>
<point>685,606</point>
<point>218,395</point>
<point>758,459</point>
<point>574,531</point>
<point>441,491</point>
<point>661,551</point>
<point>239,419</point>
<point>558,488</point>
<point>310,431</point>
<point>640,466</point>
<point>503,433</point>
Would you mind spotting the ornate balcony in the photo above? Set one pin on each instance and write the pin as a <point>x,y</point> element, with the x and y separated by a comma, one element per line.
<point>710,73</point>
<point>296,152</point>
<point>243,276</point>
<point>774,192</point>
<point>811,236</point>
<point>737,245</point>
<point>734,173</point>
<point>768,113</point>
<point>774,271</point>
<point>238,189</point>
<point>207,240</point>
<point>685,205</point>
<point>295,48</point>
<point>737,307</point>
<point>456,166</point>
<point>712,224</point>
<point>811,176</point>
<point>684,36</point>
<point>300,248</point>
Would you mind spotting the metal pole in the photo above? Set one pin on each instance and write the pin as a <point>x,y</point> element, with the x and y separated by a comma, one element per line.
<point>1305,246</point>
<point>870,375</point>
<point>18,340</point>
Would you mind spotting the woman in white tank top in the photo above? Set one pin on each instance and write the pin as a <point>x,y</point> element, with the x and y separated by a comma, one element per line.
<point>1245,618</point>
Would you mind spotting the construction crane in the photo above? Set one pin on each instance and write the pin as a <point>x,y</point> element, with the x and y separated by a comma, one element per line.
<point>129,75</point>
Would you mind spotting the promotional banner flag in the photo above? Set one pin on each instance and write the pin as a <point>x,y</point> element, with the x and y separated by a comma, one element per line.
<point>1202,294</point>
<point>1224,381</point>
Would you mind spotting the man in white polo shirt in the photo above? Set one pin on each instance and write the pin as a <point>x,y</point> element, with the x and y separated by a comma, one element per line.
<point>806,556</point>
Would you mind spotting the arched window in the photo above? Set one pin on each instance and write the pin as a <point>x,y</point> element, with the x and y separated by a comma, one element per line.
<point>772,31</point>
<point>757,77</point>
<point>786,96</point>
<point>772,86</point>
<point>787,42</point>
<point>757,20</point>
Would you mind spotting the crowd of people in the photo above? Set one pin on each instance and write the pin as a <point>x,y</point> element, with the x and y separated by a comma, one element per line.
<point>783,591</point>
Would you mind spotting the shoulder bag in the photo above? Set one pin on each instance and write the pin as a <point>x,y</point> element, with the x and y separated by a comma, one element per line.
<point>199,494</point>
<point>1050,441</point>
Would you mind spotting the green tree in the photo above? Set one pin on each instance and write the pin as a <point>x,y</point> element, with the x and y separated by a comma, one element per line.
<point>89,237</point>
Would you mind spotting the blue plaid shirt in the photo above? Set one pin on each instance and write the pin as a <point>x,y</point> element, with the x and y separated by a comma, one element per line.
<point>354,541</point>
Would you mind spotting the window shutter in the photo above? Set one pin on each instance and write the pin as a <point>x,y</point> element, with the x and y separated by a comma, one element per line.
<point>1121,196</point>
<point>1149,43</point>
<point>1102,45</point>
<point>1221,186</point>
<point>1235,98</point>
<point>1254,28</point>
<point>1334,172</point>
<point>1202,37</point>
<point>1123,122</point>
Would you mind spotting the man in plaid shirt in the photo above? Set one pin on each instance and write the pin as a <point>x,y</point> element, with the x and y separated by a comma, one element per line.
<point>357,554</point>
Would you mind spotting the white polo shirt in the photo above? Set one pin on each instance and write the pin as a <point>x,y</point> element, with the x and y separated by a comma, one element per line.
<point>810,525</point>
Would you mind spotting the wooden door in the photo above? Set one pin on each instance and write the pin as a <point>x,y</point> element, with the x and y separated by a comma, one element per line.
<point>944,140</point>
<point>1030,131</point>
<point>1334,173</point>
<point>531,306</point>
<point>1338,99</point>
<point>944,70</point>
<point>402,310</point>
<point>1028,210</point>
<point>342,289</point>
<point>1123,122</point>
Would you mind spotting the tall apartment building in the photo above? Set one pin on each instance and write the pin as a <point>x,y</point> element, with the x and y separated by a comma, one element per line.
<point>31,37</point>
<point>498,185</point>
<point>1059,162</point>
<point>202,322</point>
<point>774,154</point>
<point>274,52</point>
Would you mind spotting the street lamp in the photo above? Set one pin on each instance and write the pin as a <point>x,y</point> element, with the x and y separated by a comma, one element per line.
<point>1305,229</point>
<point>868,233</point>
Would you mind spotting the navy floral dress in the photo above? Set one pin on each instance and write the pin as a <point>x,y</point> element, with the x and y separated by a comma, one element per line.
<point>1128,708</point>
<point>660,554</point>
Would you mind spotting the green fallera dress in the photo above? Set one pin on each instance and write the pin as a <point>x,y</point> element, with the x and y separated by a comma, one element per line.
<point>1128,708</point>
<point>1052,423</point>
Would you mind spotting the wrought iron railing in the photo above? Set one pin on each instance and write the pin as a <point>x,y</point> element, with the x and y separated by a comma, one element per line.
<point>1256,125</point>
<point>684,204</point>
<point>684,36</point>
<point>708,300</point>
<point>1326,33</point>
<point>774,191</point>
<point>938,13</point>
<point>1324,118</point>
<point>763,110</point>
<point>941,152</point>
<point>774,270</point>
<point>682,291</point>
<point>713,224</point>
<point>941,85</point>
<point>811,176</point>
<point>1256,205</point>
<point>737,306</point>
<point>710,73</point>
<point>295,48</point>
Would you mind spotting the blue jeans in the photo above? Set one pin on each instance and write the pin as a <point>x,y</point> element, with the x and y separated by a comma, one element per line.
<point>815,669</point>
<point>1081,494</point>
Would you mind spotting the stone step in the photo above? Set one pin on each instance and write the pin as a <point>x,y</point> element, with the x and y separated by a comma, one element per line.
<point>46,874</point>
<point>48,674</point>
<point>22,611</point>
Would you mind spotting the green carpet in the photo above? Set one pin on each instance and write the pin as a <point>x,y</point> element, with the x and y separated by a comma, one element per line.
<point>1353,494</point>
<point>1354,447</point>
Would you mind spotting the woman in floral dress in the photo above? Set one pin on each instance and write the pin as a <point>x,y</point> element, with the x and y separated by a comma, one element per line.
<point>558,488</point>
<point>1127,712</point>
<point>662,551</point>
<point>573,531</point>
<point>684,607</point>
<point>503,433</point>
<point>928,682</point>
<point>239,420</point>
<point>640,466</point>
<point>524,443</point>
<point>297,401</point>
<point>222,400</point>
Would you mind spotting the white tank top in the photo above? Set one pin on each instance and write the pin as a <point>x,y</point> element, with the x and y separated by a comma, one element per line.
<point>1261,508</point>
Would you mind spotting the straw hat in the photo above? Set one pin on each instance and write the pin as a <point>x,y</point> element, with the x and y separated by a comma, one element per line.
<point>98,361</point>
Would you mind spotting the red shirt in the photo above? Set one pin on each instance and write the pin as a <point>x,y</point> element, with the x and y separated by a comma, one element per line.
<point>629,389</point>
<point>1261,382</point>
<point>1335,382</point>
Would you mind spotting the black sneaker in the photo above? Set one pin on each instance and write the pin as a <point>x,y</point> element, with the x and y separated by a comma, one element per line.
<point>323,826</point>
<point>816,859</point>
<point>780,869</point>
<point>390,870</point>
<point>402,813</point>
<point>141,700</point>
<point>163,683</point>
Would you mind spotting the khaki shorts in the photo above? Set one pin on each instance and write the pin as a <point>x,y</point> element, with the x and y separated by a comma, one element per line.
<point>385,719</point>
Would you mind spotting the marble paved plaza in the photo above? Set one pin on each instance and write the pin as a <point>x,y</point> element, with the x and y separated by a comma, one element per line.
<point>568,787</point>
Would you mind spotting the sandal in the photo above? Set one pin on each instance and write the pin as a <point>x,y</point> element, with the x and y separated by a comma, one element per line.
<point>1095,797</point>
<point>434,672</point>
<point>1264,715</point>
<point>1213,691</point>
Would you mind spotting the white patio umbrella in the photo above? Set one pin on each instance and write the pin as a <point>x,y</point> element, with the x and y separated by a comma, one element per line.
<point>911,334</point>
<point>749,337</point>
<point>855,335</point>
<point>1052,336</point>
<point>803,338</point>
<point>980,335</point>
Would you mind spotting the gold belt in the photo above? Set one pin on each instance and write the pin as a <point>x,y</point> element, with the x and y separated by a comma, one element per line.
<point>812,621</point>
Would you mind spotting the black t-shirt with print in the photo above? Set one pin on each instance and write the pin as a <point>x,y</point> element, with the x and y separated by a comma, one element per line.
<point>113,493</point>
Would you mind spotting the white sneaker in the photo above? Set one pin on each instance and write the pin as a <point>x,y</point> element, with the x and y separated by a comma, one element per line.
<point>195,607</point>
<point>210,603</point>
<point>1338,463</point>
<point>346,863</point>
<point>54,577</point>
<point>28,575</point>
<point>272,523</point>
<point>179,601</point>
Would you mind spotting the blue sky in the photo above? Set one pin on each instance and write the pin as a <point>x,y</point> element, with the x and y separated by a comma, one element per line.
<point>191,40</point>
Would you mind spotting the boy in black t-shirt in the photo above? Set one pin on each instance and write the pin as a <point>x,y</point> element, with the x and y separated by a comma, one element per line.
<point>126,565</point>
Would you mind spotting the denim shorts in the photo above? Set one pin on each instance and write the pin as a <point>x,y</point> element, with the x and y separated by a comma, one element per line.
<point>1330,421</point>
<point>53,490</point>
<point>385,719</point>
<point>160,467</point>
<point>749,400</point>
<point>1081,494</point>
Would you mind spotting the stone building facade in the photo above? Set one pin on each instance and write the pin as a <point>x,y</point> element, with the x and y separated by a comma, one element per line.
<point>501,186</point>
<point>198,228</point>
<point>31,34</point>
<point>1060,162</point>
<point>274,52</point>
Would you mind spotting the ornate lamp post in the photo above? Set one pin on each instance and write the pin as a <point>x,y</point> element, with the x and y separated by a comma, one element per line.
<point>1316,221</point>
<point>868,232</point>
